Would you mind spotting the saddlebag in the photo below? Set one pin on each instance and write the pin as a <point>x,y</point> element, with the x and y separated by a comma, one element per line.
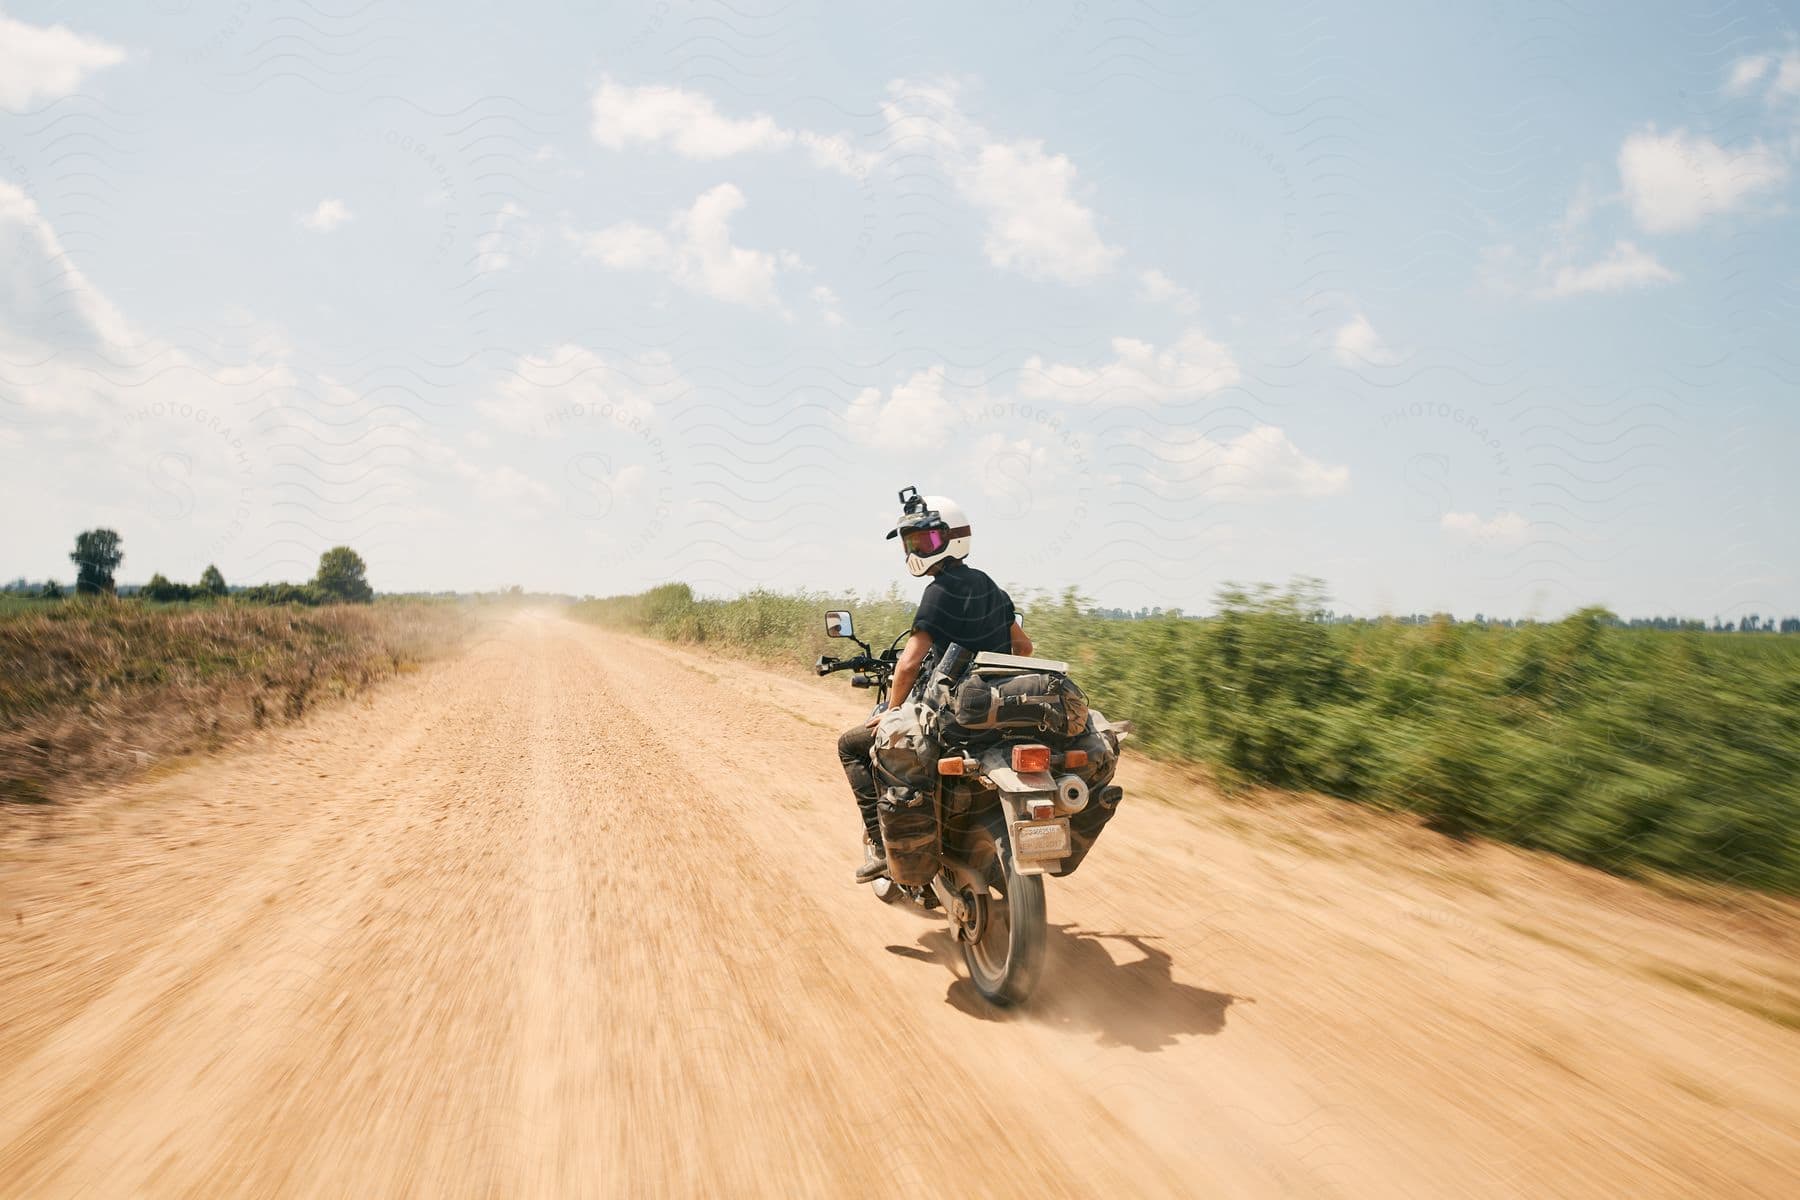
<point>1039,701</point>
<point>909,831</point>
<point>1103,798</point>
<point>906,770</point>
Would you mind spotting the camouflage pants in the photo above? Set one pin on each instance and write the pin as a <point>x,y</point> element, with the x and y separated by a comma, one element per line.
<point>854,750</point>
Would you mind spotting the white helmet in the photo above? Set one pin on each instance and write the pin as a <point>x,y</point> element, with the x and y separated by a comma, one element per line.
<point>932,528</point>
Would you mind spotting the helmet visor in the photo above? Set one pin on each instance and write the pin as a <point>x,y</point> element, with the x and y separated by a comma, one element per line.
<point>925,542</point>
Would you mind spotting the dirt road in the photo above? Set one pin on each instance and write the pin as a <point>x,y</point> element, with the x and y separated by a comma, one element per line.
<point>571,915</point>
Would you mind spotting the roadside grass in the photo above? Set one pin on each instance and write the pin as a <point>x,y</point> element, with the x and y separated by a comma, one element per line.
<point>95,689</point>
<point>1638,751</point>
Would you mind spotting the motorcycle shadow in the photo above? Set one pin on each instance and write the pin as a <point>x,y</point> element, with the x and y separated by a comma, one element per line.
<point>1136,1004</point>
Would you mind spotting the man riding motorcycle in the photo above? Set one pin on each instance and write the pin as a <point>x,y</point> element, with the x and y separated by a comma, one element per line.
<point>961,604</point>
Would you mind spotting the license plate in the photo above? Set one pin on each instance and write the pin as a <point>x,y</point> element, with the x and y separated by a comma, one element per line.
<point>1041,839</point>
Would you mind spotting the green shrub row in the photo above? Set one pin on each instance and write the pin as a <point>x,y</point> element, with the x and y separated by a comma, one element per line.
<point>1627,749</point>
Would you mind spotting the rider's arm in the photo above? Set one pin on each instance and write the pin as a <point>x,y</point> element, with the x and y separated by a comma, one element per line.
<point>1021,644</point>
<point>906,671</point>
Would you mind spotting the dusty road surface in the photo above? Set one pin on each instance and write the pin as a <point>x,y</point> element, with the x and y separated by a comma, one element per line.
<point>571,915</point>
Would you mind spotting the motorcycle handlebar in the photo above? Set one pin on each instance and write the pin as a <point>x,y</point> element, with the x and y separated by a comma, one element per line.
<point>862,662</point>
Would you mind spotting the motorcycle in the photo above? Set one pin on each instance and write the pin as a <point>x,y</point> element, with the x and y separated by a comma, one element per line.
<point>1004,806</point>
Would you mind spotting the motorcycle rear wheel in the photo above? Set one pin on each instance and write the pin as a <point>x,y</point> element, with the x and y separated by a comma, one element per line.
<point>1004,964</point>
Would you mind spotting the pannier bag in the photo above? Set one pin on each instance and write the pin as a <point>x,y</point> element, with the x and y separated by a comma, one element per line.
<point>909,831</point>
<point>906,769</point>
<point>1044,702</point>
<point>1103,798</point>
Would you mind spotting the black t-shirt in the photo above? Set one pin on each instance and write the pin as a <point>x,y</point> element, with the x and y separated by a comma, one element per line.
<point>963,605</point>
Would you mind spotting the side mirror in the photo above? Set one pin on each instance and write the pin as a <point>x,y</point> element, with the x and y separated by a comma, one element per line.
<point>838,624</point>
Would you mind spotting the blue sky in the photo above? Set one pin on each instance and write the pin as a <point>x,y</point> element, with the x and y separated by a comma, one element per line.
<point>1486,312</point>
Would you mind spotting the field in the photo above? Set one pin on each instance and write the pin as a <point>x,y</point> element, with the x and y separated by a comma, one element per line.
<point>91,690</point>
<point>1637,751</point>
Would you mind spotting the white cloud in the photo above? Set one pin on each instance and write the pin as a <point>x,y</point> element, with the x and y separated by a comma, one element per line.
<point>1558,271</point>
<point>141,427</point>
<point>1358,345</point>
<point>44,296</point>
<point>627,247</point>
<point>914,415</point>
<point>1625,266</point>
<point>1675,181</point>
<point>569,387</point>
<point>686,122</point>
<point>1018,476</point>
<point>691,125</point>
<point>494,248</point>
<point>1746,72</point>
<point>1261,463</point>
<point>45,63</point>
<point>326,216</point>
<point>1787,76</point>
<point>1158,288</point>
<point>1036,222</point>
<point>696,251</point>
<point>501,484</point>
<point>827,301</point>
<point>1781,72</point>
<point>1504,529</point>
<point>1138,373</point>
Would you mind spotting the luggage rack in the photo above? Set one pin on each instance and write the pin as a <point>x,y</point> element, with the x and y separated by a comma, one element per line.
<point>993,662</point>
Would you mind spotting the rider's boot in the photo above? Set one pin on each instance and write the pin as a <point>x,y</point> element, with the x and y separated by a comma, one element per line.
<point>874,864</point>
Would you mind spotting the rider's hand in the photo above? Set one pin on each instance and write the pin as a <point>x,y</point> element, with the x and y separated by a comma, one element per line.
<point>873,721</point>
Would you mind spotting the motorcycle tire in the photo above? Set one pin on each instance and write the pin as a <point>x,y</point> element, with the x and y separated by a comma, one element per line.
<point>1005,963</point>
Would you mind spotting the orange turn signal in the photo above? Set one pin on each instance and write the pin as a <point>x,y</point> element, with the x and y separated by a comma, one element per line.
<point>1026,759</point>
<point>1075,758</point>
<point>950,766</point>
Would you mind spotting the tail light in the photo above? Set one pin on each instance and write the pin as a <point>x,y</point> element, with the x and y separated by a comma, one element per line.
<point>1075,758</point>
<point>950,766</point>
<point>1041,810</point>
<point>1026,759</point>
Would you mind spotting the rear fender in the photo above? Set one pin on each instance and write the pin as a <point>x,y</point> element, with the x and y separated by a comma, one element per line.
<point>1013,783</point>
<point>1015,790</point>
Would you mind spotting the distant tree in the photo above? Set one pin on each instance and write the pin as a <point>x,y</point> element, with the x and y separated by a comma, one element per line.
<point>343,576</point>
<point>52,590</point>
<point>98,553</point>
<point>212,583</point>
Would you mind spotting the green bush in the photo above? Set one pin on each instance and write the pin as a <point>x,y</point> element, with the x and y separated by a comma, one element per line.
<point>283,593</point>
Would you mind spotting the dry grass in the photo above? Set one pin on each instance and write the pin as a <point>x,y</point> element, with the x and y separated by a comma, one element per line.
<point>91,691</point>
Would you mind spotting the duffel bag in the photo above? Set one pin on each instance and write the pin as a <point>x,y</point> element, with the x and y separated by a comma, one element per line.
<point>1046,702</point>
